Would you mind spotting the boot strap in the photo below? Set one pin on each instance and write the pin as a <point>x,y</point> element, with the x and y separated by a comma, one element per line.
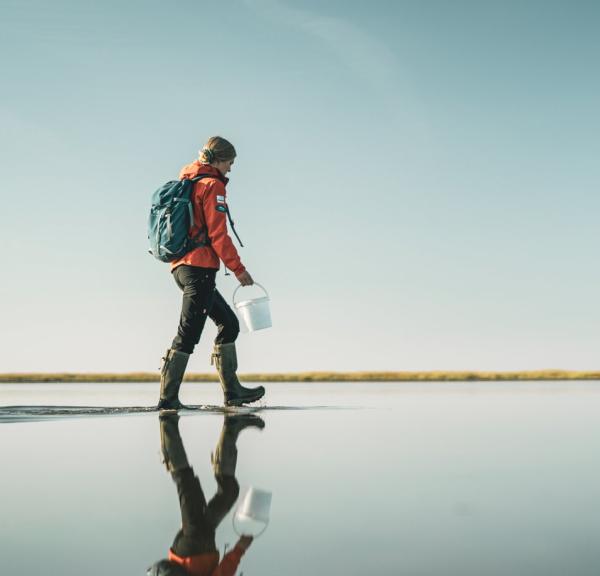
<point>165,362</point>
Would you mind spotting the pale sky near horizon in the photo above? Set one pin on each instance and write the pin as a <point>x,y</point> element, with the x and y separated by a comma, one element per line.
<point>416,183</point>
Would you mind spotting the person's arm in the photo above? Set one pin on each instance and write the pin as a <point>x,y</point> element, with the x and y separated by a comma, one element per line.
<point>215,216</point>
<point>231,560</point>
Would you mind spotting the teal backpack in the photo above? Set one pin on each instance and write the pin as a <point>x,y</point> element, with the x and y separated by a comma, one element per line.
<point>171,217</point>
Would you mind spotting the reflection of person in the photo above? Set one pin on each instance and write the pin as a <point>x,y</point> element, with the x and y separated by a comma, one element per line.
<point>194,551</point>
<point>195,275</point>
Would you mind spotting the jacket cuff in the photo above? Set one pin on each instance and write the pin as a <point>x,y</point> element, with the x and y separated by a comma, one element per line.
<point>239,269</point>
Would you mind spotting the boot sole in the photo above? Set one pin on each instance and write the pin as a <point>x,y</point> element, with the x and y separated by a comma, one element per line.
<point>241,401</point>
<point>168,410</point>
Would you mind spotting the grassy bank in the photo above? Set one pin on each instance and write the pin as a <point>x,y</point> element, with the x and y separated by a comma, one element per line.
<point>312,377</point>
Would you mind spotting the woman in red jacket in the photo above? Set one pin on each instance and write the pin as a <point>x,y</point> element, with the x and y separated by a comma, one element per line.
<point>195,274</point>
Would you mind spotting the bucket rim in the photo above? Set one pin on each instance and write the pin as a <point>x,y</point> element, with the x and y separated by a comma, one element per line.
<point>244,303</point>
<point>241,516</point>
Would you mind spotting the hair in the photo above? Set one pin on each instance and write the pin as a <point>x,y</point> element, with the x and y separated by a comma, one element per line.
<point>217,149</point>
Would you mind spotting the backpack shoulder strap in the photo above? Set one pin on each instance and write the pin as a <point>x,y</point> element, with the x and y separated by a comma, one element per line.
<point>200,176</point>
<point>233,225</point>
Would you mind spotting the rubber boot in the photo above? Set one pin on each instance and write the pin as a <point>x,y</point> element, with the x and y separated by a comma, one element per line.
<point>171,445</point>
<point>225,359</point>
<point>171,376</point>
<point>224,458</point>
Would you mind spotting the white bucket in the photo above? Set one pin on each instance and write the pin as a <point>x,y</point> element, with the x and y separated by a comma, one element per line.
<point>252,515</point>
<point>255,313</point>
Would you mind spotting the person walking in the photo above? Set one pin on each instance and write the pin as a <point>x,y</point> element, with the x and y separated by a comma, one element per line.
<point>195,275</point>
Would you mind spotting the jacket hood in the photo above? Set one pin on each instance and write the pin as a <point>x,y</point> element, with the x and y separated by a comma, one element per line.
<point>196,168</point>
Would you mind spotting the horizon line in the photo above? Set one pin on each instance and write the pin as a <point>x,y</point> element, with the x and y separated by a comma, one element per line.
<point>313,376</point>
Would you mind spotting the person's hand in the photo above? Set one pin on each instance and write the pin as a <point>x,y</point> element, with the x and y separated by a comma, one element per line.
<point>244,542</point>
<point>245,279</point>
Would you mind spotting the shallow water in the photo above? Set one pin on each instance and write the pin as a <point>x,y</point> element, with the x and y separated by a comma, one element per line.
<point>427,479</point>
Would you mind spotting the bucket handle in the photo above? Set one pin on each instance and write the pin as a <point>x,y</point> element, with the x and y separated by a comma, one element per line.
<point>239,533</point>
<point>240,286</point>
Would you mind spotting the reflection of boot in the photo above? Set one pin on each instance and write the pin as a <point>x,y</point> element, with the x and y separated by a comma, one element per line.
<point>171,445</point>
<point>225,359</point>
<point>171,376</point>
<point>224,458</point>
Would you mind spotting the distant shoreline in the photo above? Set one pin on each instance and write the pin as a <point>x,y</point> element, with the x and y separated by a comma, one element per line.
<point>433,376</point>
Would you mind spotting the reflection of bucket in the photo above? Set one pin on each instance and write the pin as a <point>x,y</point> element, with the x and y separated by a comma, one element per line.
<point>255,314</point>
<point>252,516</point>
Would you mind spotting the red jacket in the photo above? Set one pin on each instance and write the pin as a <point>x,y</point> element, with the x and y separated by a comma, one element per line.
<point>208,564</point>
<point>210,204</point>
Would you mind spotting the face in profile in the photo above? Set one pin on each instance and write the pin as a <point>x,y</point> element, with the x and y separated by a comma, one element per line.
<point>224,166</point>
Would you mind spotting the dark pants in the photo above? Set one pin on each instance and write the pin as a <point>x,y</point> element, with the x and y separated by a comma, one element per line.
<point>201,299</point>
<point>199,519</point>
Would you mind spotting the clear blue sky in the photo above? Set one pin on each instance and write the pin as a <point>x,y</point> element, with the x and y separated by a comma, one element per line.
<point>416,183</point>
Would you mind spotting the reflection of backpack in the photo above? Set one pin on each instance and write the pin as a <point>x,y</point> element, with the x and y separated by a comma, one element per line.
<point>166,568</point>
<point>171,218</point>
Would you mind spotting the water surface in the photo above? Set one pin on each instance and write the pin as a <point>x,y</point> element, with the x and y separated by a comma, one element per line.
<point>427,478</point>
